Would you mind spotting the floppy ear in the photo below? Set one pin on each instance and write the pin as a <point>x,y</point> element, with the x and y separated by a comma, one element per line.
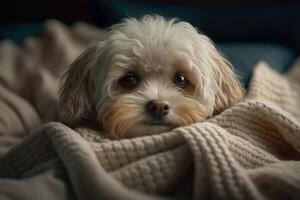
<point>229,89</point>
<point>75,99</point>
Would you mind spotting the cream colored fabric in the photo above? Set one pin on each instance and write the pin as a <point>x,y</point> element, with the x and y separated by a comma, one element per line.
<point>30,74</point>
<point>250,151</point>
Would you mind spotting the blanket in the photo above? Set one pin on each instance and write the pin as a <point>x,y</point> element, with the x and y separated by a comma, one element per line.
<point>30,74</point>
<point>250,151</point>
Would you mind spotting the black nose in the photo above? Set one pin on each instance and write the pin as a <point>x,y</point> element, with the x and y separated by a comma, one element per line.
<point>158,108</point>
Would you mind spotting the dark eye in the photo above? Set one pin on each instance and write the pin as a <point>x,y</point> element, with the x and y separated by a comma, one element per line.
<point>129,81</point>
<point>180,80</point>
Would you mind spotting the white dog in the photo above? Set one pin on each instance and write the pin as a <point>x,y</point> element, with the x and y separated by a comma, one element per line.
<point>148,76</point>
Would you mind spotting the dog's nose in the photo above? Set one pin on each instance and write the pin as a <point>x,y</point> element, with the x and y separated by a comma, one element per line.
<point>158,108</point>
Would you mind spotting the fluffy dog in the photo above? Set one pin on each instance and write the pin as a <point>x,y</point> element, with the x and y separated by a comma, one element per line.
<point>146,77</point>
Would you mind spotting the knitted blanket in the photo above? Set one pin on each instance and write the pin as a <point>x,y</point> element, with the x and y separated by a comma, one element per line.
<point>250,151</point>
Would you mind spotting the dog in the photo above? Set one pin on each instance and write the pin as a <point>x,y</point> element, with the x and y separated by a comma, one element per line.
<point>148,76</point>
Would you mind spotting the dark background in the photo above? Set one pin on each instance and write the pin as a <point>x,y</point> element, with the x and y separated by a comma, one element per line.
<point>223,21</point>
<point>246,31</point>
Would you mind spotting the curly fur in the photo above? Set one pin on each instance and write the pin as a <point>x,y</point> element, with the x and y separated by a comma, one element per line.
<point>155,49</point>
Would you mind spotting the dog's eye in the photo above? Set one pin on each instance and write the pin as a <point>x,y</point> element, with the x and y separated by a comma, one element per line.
<point>129,81</point>
<point>180,80</point>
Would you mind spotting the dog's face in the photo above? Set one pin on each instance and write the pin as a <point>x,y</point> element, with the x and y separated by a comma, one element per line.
<point>146,77</point>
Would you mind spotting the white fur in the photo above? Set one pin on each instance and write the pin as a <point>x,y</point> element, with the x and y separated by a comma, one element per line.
<point>154,43</point>
<point>151,46</point>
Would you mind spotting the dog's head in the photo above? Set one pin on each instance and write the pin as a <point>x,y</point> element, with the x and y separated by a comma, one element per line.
<point>148,76</point>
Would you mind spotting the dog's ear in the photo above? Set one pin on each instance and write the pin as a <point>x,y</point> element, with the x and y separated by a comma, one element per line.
<point>75,99</point>
<point>229,89</point>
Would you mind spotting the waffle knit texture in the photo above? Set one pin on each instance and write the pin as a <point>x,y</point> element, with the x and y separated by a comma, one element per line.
<point>250,151</point>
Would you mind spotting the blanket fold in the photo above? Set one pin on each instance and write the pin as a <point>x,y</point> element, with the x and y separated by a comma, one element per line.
<point>250,151</point>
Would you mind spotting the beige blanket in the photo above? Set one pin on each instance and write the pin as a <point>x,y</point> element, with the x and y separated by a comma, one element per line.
<point>29,77</point>
<point>250,151</point>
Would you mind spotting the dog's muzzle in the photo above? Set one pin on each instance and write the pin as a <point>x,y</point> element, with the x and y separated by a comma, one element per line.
<point>157,111</point>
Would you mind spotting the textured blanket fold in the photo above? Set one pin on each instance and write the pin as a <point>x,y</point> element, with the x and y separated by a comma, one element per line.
<point>250,151</point>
